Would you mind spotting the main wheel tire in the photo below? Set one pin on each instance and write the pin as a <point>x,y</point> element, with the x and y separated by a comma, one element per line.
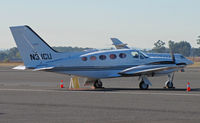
<point>143,85</point>
<point>169,84</point>
<point>98,84</point>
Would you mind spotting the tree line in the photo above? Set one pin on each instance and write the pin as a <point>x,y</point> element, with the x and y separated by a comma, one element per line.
<point>182,47</point>
<point>14,55</point>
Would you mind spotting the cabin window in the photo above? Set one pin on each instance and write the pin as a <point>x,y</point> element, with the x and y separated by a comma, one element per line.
<point>135,54</point>
<point>102,57</point>
<point>122,55</point>
<point>84,58</point>
<point>113,56</point>
<point>93,58</point>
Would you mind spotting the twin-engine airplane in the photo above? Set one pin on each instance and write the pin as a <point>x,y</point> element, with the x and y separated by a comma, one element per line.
<point>94,65</point>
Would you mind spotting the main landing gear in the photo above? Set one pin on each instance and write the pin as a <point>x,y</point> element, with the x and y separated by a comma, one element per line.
<point>169,82</point>
<point>143,85</point>
<point>98,84</point>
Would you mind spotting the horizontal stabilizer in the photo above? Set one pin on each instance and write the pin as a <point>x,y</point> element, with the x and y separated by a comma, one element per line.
<point>20,67</point>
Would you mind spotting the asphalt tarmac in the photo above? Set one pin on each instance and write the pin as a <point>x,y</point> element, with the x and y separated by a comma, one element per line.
<point>34,97</point>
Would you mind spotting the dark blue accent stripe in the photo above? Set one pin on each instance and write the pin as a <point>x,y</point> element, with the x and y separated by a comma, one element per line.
<point>91,68</point>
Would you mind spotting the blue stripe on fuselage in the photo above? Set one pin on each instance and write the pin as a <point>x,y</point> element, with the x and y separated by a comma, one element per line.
<point>92,68</point>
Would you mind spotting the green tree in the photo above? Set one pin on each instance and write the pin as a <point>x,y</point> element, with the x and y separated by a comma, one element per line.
<point>159,47</point>
<point>69,49</point>
<point>198,40</point>
<point>171,45</point>
<point>3,56</point>
<point>13,53</point>
<point>159,44</point>
<point>182,47</point>
<point>195,52</point>
<point>185,48</point>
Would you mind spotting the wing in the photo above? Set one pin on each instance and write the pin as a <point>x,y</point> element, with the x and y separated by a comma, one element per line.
<point>147,69</point>
<point>20,67</point>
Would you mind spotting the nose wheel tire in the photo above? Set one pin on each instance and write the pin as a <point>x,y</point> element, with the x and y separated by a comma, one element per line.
<point>143,85</point>
<point>98,84</point>
<point>169,84</point>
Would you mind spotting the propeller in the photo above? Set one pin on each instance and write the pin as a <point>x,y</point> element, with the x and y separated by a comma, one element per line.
<point>172,55</point>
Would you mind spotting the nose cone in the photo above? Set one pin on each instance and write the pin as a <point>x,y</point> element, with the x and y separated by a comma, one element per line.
<point>189,62</point>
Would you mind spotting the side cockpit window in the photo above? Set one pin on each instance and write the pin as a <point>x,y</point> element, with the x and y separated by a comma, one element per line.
<point>138,55</point>
<point>182,57</point>
<point>135,54</point>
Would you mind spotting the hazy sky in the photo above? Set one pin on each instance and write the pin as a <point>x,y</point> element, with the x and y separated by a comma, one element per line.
<point>91,23</point>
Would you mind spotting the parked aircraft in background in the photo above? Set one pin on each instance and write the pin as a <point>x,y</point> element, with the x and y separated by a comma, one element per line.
<point>94,65</point>
<point>119,44</point>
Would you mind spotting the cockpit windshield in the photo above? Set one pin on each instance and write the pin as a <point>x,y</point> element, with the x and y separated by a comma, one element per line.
<point>145,55</point>
<point>139,54</point>
<point>182,57</point>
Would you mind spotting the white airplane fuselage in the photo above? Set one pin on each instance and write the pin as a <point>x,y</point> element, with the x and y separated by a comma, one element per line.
<point>95,66</point>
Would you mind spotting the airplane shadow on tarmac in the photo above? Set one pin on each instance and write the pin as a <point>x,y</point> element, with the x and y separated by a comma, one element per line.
<point>137,89</point>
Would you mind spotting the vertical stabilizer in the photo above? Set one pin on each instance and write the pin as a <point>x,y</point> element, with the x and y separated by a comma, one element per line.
<point>33,49</point>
